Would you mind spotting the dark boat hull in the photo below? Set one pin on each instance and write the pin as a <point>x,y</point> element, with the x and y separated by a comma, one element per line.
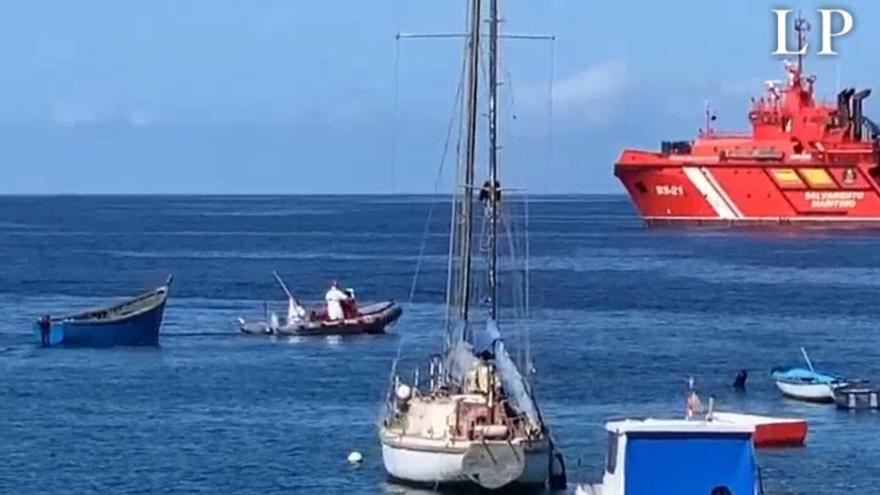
<point>134,322</point>
<point>373,319</point>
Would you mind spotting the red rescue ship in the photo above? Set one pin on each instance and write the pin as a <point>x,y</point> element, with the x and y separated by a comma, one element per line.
<point>805,161</point>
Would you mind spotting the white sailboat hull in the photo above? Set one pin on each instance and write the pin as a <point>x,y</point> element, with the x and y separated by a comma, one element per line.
<point>432,462</point>
<point>814,392</point>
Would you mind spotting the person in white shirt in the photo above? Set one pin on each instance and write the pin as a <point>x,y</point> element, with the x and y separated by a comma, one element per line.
<point>335,297</point>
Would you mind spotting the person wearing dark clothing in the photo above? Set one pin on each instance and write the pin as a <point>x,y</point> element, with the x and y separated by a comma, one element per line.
<point>45,327</point>
<point>487,191</point>
<point>740,382</point>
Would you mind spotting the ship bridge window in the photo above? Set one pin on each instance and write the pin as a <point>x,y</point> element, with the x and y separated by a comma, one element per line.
<point>675,147</point>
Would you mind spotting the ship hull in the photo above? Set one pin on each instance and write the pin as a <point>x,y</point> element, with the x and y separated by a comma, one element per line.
<point>424,462</point>
<point>753,196</point>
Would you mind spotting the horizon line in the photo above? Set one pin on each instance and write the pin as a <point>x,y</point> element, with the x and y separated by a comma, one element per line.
<point>269,194</point>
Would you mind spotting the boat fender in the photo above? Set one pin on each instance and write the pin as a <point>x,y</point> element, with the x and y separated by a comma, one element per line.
<point>403,392</point>
<point>491,431</point>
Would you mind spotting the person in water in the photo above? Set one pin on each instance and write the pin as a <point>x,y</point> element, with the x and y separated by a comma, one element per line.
<point>740,382</point>
<point>45,328</point>
<point>335,298</point>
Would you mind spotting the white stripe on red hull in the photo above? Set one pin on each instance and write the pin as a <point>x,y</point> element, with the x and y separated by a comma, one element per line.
<point>729,196</point>
<point>700,179</point>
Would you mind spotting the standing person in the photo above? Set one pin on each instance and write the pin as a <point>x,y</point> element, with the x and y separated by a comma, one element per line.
<point>335,298</point>
<point>45,328</point>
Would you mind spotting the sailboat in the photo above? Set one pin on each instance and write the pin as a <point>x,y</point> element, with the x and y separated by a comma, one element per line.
<point>474,419</point>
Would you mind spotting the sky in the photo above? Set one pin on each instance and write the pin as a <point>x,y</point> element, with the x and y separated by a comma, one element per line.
<point>296,97</point>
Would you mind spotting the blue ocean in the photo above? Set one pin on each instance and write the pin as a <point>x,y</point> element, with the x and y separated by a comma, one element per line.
<point>622,316</point>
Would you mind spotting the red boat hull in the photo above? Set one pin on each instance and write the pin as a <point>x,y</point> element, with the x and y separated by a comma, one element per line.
<point>699,194</point>
<point>770,431</point>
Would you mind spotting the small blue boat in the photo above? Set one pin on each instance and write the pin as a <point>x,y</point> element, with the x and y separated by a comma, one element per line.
<point>133,322</point>
<point>807,384</point>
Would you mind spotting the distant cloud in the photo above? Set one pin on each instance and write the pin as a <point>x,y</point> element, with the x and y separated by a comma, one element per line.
<point>74,114</point>
<point>599,83</point>
<point>138,117</point>
<point>70,115</point>
<point>590,94</point>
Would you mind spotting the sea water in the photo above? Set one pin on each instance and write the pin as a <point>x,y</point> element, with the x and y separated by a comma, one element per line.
<point>622,316</point>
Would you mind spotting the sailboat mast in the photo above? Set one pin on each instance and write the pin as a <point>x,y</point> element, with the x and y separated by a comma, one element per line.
<point>470,152</point>
<point>493,157</point>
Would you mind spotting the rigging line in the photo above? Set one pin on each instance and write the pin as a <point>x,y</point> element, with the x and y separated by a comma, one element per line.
<point>550,88</point>
<point>455,110</point>
<point>452,282</point>
<point>395,116</point>
<point>437,179</point>
<point>527,289</point>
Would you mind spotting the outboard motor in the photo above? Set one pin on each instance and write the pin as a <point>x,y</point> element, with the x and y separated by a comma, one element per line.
<point>857,113</point>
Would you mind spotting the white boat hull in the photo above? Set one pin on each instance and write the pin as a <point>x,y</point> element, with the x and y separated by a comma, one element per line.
<point>814,392</point>
<point>437,462</point>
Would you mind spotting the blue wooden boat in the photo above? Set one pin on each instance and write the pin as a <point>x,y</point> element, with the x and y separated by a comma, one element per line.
<point>133,322</point>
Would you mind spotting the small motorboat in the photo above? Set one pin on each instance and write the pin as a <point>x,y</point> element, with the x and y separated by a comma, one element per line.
<point>133,322</point>
<point>367,319</point>
<point>807,384</point>
<point>855,397</point>
<point>676,456</point>
<point>769,431</point>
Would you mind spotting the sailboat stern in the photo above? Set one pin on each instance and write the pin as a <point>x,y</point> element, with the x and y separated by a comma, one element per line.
<point>489,464</point>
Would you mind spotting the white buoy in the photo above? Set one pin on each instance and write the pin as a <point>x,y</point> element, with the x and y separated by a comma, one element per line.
<point>355,458</point>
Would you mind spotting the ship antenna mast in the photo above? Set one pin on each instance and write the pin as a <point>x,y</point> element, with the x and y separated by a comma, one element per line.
<point>801,26</point>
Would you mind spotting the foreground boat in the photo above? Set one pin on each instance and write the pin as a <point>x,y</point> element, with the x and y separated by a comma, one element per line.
<point>805,162</point>
<point>370,319</point>
<point>474,419</point>
<point>133,322</point>
<point>682,457</point>
<point>806,384</point>
<point>354,319</point>
<point>770,431</point>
